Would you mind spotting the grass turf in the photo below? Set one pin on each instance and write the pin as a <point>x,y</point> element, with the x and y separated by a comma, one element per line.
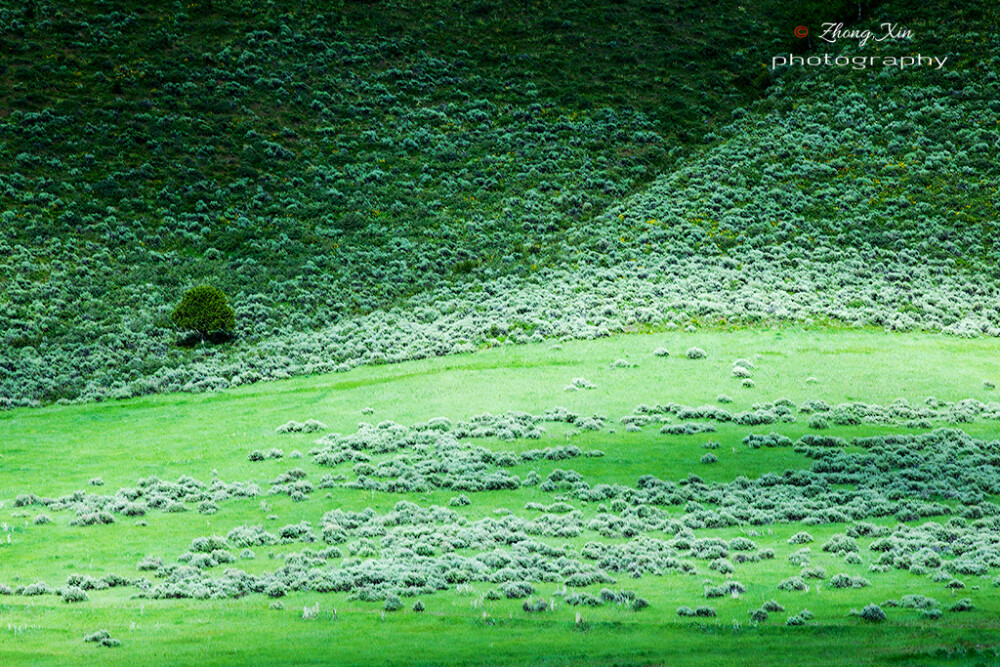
<point>56,450</point>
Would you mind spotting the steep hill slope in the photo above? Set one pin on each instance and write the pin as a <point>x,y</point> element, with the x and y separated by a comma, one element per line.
<point>322,168</point>
<point>316,160</point>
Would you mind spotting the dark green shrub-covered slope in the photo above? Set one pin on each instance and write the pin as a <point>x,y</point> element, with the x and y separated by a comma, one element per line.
<point>377,182</point>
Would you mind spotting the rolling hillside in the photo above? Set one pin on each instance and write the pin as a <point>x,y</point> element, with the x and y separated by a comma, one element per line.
<point>628,332</point>
<point>365,190</point>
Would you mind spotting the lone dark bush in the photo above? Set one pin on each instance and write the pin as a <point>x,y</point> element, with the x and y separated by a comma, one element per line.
<point>205,311</point>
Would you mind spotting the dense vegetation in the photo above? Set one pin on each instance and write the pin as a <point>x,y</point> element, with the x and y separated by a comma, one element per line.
<point>324,168</point>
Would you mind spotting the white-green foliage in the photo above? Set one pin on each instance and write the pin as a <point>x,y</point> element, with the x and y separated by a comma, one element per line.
<point>800,557</point>
<point>37,588</point>
<point>722,566</point>
<point>687,429</point>
<point>818,422</point>
<point>580,383</point>
<point>872,613</point>
<point>840,543</point>
<point>102,638</point>
<point>847,581</point>
<point>517,589</point>
<point>793,584</point>
<point>73,594</point>
<point>413,550</point>
<point>308,426</point>
<point>728,589</point>
<point>535,605</point>
<point>965,604</point>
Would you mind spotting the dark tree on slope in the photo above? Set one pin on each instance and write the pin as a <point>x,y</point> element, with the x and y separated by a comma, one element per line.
<point>205,311</point>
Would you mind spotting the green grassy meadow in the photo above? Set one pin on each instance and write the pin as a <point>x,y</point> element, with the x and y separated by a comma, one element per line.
<point>57,450</point>
<point>563,333</point>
